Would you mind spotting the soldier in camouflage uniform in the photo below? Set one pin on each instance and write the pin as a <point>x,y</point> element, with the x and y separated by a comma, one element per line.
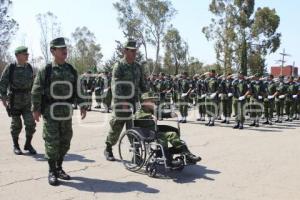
<point>55,105</point>
<point>240,93</point>
<point>89,86</point>
<point>226,98</point>
<point>291,99</point>
<point>201,92</point>
<point>211,100</point>
<point>297,117</point>
<point>257,92</point>
<point>15,87</point>
<point>107,91</point>
<point>127,84</point>
<point>185,88</point>
<point>281,90</point>
<point>269,100</point>
<point>145,118</point>
<point>99,84</point>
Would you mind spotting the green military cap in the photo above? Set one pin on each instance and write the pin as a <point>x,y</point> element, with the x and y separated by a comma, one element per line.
<point>21,49</point>
<point>130,44</point>
<point>149,95</point>
<point>213,71</point>
<point>58,43</point>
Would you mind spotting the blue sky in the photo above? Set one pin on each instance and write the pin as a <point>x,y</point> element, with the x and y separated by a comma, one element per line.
<point>100,17</point>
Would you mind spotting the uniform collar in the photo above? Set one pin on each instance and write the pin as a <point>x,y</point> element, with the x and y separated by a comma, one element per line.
<point>54,64</point>
<point>18,65</point>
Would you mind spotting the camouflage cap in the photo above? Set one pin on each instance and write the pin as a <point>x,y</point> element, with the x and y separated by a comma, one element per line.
<point>21,49</point>
<point>130,44</point>
<point>149,95</point>
<point>58,43</point>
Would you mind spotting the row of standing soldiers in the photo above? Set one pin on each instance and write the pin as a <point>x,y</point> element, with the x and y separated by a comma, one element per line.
<point>229,96</point>
<point>100,84</point>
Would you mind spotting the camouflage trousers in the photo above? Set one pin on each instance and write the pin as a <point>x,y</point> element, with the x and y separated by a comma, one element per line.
<point>255,108</point>
<point>201,107</point>
<point>98,96</point>
<point>57,136</point>
<point>164,138</point>
<point>290,107</point>
<point>107,99</point>
<point>211,107</point>
<point>227,107</point>
<point>16,122</point>
<point>183,107</point>
<point>116,126</point>
<point>279,107</point>
<point>269,108</point>
<point>240,115</point>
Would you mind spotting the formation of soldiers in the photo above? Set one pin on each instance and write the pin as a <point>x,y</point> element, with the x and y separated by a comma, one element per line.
<point>222,97</point>
<point>55,89</point>
<point>100,85</point>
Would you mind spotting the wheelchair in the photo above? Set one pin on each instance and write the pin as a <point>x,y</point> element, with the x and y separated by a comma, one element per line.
<point>139,149</point>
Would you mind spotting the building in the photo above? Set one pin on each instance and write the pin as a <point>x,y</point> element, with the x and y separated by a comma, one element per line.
<point>286,71</point>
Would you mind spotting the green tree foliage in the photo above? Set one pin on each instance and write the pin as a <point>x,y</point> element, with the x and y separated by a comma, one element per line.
<point>85,53</point>
<point>239,31</point>
<point>8,28</point>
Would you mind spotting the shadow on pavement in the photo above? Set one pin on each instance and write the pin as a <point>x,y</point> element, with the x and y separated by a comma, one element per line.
<point>68,157</point>
<point>191,173</point>
<point>96,185</point>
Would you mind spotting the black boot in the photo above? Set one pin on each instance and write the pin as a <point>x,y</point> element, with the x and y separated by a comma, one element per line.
<point>207,124</point>
<point>17,149</point>
<point>237,125</point>
<point>191,158</point>
<point>108,153</point>
<point>60,172</point>
<point>28,146</point>
<point>52,177</point>
<point>253,124</point>
<point>266,122</point>
<point>224,121</point>
<point>241,126</point>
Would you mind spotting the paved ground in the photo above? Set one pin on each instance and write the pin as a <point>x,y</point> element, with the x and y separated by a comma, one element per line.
<point>258,164</point>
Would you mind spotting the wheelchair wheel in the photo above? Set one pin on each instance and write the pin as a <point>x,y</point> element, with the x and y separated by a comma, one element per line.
<point>132,150</point>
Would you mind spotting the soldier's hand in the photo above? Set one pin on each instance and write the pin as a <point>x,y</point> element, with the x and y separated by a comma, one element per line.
<point>36,116</point>
<point>83,113</point>
<point>4,103</point>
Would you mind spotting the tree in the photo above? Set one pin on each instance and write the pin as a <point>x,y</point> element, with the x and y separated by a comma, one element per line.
<point>50,29</point>
<point>157,15</point>
<point>237,26</point>
<point>86,53</point>
<point>131,22</point>
<point>176,50</point>
<point>8,28</point>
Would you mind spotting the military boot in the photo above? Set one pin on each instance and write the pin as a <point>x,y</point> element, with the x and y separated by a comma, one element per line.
<point>237,125</point>
<point>17,149</point>
<point>61,174</point>
<point>52,177</point>
<point>28,146</point>
<point>191,158</point>
<point>108,153</point>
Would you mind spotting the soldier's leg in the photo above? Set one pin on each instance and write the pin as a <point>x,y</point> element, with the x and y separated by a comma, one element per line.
<point>229,110</point>
<point>224,103</point>
<point>116,127</point>
<point>266,111</point>
<point>15,130</point>
<point>288,109</point>
<point>253,111</point>
<point>66,134</point>
<point>30,130</point>
<point>278,109</point>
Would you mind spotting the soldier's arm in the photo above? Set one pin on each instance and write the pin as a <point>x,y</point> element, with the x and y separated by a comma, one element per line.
<point>4,82</point>
<point>143,83</point>
<point>38,91</point>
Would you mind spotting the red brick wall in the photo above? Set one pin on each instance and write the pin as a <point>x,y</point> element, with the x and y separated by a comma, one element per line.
<point>286,71</point>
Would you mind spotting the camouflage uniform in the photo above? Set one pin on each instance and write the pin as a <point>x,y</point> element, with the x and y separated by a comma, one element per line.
<point>269,103</point>
<point>99,84</point>
<point>89,86</point>
<point>200,90</point>
<point>256,101</point>
<point>107,92</point>
<point>53,92</point>
<point>184,86</point>
<point>291,99</point>
<point>240,90</point>
<point>226,99</point>
<point>133,73</point>
<point>211,100</point>
<point>279,100</point>
<point>17,80</point>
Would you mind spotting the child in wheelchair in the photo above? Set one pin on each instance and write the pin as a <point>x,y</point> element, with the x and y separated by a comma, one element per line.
<point>145,118</point>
